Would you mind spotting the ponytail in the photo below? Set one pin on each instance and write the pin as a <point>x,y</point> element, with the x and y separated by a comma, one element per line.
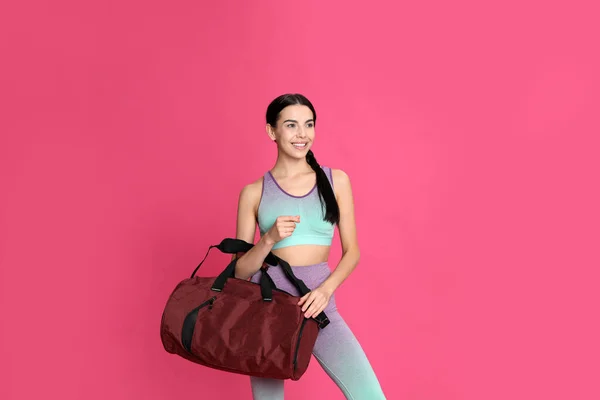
<point>326,194</point>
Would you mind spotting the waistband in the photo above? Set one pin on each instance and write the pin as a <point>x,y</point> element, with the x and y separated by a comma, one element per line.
<point>311,266</point>
<point>319,265</point>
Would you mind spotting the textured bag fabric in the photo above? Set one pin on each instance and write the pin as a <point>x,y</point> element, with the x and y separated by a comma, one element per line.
<point>240,326</point>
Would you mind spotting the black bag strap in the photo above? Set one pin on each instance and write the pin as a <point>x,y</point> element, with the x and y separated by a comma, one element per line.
<point>241,246</point>
<point>266,283</point>
<point>232,246</point>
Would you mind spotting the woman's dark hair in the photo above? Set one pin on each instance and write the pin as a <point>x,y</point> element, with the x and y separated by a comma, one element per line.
<point>326,194</point>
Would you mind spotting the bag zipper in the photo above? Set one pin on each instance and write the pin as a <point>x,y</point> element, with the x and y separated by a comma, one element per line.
<point>189,323</point>
<point>298,342</point>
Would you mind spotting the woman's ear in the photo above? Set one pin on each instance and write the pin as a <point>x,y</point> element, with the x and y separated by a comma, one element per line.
<point>271,132</point>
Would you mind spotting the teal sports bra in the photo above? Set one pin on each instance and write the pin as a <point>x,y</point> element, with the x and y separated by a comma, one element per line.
<point>275,202</point>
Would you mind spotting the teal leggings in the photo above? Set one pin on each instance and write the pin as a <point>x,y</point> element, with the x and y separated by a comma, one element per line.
<point>336,348</point>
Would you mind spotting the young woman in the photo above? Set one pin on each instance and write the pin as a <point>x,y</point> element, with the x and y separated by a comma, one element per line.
<point>296,206</point>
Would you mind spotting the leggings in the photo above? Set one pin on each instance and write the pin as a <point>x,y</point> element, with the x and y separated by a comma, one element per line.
<point>336,349</point>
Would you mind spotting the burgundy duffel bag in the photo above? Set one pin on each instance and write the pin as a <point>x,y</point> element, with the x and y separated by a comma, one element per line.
<point>239,326</point>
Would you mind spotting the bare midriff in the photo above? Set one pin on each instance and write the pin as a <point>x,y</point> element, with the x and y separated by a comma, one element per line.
<point>303,255</point>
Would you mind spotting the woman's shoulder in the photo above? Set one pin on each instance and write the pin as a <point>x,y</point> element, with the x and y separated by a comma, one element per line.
<point>339,176</point>
<point>252,191</point>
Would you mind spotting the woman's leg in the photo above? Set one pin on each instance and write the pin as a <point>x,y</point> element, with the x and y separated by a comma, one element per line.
<point>337,350</point>
<point>343,359</point>
<point>266,388</point>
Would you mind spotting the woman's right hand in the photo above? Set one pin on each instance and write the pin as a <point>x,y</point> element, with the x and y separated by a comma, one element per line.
<point>283,227</point>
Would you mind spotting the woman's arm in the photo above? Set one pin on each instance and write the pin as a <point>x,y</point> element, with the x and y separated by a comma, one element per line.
<point>314,302</point>
<point>250,262</point>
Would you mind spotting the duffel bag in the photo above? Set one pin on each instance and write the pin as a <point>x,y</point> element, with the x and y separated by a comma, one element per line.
<point>239,326</point>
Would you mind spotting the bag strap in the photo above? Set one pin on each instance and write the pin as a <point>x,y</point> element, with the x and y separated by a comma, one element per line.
<point>232,246</point>
<point>241,246</point>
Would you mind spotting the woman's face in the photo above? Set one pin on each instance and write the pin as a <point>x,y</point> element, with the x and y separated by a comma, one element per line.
<point>295,130</point>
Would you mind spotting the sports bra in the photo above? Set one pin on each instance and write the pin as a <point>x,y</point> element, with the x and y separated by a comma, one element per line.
<point>275,202</point>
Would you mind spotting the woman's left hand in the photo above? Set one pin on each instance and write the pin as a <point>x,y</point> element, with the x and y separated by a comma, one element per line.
<point>315,301</point>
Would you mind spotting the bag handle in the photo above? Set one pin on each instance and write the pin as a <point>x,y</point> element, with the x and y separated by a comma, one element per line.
<point>232,246</point>
<point>240,246</point>
<point>266,283</point>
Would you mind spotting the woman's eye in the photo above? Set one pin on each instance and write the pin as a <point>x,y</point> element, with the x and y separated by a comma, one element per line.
<point>310,125</point>
<point>291,125</point>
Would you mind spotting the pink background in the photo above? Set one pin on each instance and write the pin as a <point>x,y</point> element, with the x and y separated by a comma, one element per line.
<point>469,130</point>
